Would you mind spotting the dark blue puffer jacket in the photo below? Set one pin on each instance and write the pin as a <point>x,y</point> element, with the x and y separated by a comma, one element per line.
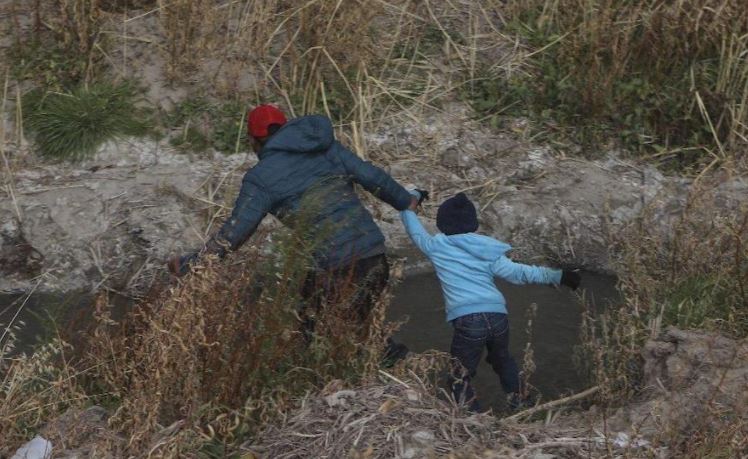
<point>304,172</point>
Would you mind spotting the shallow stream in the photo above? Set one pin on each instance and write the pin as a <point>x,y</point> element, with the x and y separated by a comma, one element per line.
<point>555,329</point>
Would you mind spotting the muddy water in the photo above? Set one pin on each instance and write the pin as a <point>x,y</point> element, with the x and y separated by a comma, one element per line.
<point>39,317</point>
<point>555,329</point>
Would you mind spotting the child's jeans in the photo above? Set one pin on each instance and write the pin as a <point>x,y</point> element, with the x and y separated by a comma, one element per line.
<point>472,333</point>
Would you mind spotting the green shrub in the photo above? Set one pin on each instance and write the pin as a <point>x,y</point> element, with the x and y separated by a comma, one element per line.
<point>659,76</point>
<point>74,125</point>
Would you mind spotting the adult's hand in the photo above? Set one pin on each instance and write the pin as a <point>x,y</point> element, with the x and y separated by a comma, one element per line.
<point>424,195</point>
<point>180,265</point>
<point>175,266</point>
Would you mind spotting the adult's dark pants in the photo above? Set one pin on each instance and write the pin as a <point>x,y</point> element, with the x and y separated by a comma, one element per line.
<point>359,284</point>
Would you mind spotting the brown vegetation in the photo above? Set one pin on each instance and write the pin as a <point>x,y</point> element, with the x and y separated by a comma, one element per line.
<point>205,364</point>
<point>198,366</point>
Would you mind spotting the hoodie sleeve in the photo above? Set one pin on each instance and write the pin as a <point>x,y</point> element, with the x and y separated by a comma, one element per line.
<point>251,206</point>
<point>517,273</point>
<point>418,234</point>
<point>373,179</point>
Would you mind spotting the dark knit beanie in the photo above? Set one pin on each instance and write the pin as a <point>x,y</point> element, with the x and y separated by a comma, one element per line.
<point>457,215</point>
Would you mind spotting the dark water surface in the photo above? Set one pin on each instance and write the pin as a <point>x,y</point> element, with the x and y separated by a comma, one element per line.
<point>555,330</point>
<point>39,317</point>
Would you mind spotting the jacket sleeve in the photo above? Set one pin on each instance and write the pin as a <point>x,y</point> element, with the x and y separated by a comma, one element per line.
<point>373,179</point>
<point>418,234</point>
<point>251,206</point>
<point>517,273</point>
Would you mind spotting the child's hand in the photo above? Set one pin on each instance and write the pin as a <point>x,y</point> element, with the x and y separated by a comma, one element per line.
<point>571,278</point>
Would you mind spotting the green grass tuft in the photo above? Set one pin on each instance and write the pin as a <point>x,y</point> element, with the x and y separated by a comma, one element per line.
<point>667,80</point>
<point>72,126</point>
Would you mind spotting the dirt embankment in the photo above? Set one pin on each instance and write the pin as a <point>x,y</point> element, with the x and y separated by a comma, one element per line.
<point>113,219</point>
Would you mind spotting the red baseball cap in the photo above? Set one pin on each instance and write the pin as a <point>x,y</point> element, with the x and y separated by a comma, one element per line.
<point>262,117</point>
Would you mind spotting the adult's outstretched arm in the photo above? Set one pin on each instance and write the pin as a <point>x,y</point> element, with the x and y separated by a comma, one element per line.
<point>251,206</point>
<point>374,180</point>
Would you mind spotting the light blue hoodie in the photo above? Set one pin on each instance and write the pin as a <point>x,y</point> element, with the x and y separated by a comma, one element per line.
<point>466,265</point>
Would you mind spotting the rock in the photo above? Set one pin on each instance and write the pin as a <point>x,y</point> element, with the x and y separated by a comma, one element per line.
<point>453,157</point>
<point>541,455</point>
<point>339,398</point>
<point>424,437</point>
<point>37,448</point>
<point>688,375</point>
<point>109,218</point>
<point>623,440</point>
<point>17,256</point>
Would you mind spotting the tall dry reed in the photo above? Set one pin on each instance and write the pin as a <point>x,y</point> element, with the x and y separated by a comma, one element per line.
<point>667,75</point>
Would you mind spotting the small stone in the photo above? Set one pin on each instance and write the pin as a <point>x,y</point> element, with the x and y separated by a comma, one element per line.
<point>451,157</point>
<point>412,395</point>
<point>37,448</point>
<point>339,398</point>
<point>541,455</point>
<point>424,436</point>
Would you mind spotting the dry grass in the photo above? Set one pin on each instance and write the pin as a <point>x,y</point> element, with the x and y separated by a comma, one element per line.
<point>204,365</point>
<point>34,389</point>
<point>362,62</point>
<point>690,272</point>
<point>668,76</point>
<point>403,417</point>
<point>194,370</point>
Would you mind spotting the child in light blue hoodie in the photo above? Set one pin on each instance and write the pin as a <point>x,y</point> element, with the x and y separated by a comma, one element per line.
<point>466,264</point>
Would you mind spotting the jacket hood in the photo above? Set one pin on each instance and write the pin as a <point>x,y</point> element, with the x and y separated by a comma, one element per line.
<point>481,247</point>
<point>306,134</point>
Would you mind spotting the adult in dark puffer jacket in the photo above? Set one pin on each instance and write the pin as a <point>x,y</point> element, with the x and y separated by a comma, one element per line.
<point>303,168</point>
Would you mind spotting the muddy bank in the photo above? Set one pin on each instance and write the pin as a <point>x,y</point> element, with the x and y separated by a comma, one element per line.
<point>693,382</point>
<point>689,376</point>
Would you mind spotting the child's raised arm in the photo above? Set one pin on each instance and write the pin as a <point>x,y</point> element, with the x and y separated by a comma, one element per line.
<point>517,273</point>
<point>418,234</point>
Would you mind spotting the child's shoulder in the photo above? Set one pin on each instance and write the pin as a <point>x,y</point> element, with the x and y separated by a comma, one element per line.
<point>488,239</point>
<point>480,246</point>
<point>482,239</point>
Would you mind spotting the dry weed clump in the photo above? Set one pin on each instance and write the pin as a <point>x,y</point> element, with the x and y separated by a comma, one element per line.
<point>360,62</point>
<point>199,367</point>
<point>220,354</point>
<point>404,417</point>
<point>686,269</point>
<point>61,47</point>
<point>34,389</point>
<point>692,273</point>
